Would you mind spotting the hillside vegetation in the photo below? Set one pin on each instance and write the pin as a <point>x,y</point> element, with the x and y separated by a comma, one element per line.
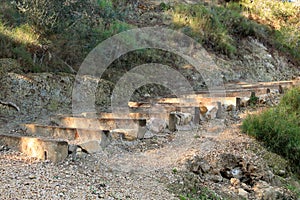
<point>57,35</point>
<point>272,22</point>
<point>279,127</point>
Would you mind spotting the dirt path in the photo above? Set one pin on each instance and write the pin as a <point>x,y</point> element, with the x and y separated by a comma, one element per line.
<point>116,173</point>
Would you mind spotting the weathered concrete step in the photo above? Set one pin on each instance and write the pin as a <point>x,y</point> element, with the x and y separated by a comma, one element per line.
<point>195,101</point>
<point>139,125</point>
<point>127,134</point>
<point>263,84</point>
<point>44,149</point>
<point>162,111</point>
<point>74,135</point>
<point>142,114</point>
<point>105,115</point>
<point>241,89</point>
<point>101,124</point>
<point>185,105</point>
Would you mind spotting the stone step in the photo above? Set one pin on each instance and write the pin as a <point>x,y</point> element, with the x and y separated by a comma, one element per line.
<point>139,125</point>
<point>263,84</point>
<point>100,123</point>
<point>190,101</point>
<point>72,135</point>
<point>42,148</point>
<point>105,115</point>
<point>196,101</point>
<point>138,114</point>
<point>242,89</point>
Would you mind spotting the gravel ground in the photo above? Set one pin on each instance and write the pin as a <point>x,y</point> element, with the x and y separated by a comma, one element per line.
<point>85,178</point>
<point>126,170</point>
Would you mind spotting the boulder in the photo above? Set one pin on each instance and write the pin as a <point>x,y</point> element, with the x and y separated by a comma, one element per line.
<point>203,110</point>
<point>199,165</point>
<point>242,193</point>
<point>229,107</point>
<point>91,146</point>
<point>245,102</point>
<point>184,118</point>
<point>212,112</point>
<point>156,125</point>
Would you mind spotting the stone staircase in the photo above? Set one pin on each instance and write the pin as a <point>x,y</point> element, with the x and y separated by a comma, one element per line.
<point>94,131</point>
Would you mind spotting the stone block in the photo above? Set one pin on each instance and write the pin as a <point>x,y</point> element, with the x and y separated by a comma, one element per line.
<point>44,149</point>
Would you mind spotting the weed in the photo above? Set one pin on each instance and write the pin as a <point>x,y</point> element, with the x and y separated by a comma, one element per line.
<point>253,99</point>
<point>294,189</point>
<point>174,170</point>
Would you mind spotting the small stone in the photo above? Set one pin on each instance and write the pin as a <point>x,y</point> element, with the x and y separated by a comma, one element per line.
<point>72,148</point>
<point>183,118</point>
<point>251,168</point>
<point>243,193</point>
<point>156,125</point>
<point>246,187</point>
<point>237,172</point>
<point>212,112</point>
<point>32,176</point>
<point>187,118</point>
<point>229,108</point>
<point>216,178</point>
<point>91,146</point>
<point>199,165</point>
<point>245,102</point>
<point>205,166</point>
<point>203,110</point>
<point>235,182</point>
<point>281,173</point>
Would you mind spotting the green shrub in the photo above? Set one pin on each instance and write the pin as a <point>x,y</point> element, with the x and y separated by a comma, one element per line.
<point>56,16</point>
<point>54,35</point>
<point>279,127</point>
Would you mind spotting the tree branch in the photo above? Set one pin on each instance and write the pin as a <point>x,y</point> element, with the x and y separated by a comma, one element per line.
<point>10,104</point>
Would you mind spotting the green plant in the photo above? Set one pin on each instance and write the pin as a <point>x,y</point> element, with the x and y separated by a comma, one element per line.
<point>56,16</point>
<point>221,28</point>
<point>174,170</point>
<point>203,23</point>
<point>294,189</point>
<point>282,20</point>
<point>54,35</point>
<point>253,99</point>
<point>164,6</point>
<point>279,128</point>
<point>21,54</point>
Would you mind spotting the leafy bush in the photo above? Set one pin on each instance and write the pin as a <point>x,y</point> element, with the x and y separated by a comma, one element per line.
<point>54,16</point>
<point>55,35</point>
<point>279,127</point>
